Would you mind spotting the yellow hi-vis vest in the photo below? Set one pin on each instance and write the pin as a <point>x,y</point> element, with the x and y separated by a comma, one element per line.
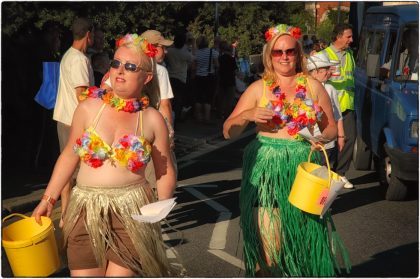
<point>344,84</point>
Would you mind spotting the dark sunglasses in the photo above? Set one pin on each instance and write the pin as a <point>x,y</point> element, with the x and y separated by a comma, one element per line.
<point>279,52</point>
<point>127,66</point>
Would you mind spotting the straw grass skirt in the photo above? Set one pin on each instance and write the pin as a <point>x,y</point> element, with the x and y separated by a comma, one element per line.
<point>305,244</point>
<point>94,205</point>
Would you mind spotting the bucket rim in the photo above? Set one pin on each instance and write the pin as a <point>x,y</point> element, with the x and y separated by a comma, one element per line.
<point>15,244</point>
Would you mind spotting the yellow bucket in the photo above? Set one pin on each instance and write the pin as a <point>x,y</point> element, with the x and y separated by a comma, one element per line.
<point>31,248</point>
<point>309,192</point>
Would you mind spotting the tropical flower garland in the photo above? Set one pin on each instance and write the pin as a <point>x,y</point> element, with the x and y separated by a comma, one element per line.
<point>303,112</point>
<point>294,31</point>
<point>139,42</point>
<point>91,149</point>
<point>131,105</point>
<point>132,152</point>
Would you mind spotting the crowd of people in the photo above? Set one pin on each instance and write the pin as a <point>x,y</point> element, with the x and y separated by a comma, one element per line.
<point>117,139</point>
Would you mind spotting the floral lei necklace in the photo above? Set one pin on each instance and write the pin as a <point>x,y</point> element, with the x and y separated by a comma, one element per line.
<point>303,112</point>
<point>131,105</point>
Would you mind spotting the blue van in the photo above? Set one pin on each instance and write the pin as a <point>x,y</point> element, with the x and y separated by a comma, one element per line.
<point>386,97</point>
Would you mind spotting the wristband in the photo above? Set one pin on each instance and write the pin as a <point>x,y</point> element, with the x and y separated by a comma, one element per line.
<point>341,137</point>
<point>49,199</point>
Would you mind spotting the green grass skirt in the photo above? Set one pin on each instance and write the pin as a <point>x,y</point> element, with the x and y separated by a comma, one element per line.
<point>309,246</point>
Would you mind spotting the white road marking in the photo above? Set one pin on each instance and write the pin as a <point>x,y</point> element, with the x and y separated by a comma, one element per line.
<point>219,235</point>
<point>228,258</point>
<point>218,238</point>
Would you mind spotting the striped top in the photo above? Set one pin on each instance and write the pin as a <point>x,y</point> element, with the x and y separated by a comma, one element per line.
<point>202,60</point>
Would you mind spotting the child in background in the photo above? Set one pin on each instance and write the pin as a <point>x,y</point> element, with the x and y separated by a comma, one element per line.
<point>319,68</point>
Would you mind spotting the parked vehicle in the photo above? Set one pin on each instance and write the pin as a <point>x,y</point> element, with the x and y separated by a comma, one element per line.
<point>386,97</point>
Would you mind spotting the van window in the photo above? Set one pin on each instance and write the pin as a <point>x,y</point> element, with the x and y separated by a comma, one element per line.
<point>407,66</point>
<point>365,41</point>
<point>392,44</point>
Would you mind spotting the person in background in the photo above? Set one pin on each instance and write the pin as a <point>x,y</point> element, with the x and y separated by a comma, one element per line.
<point>207,61</point>
<point>279,239</point>
<point>343,81</point>
<point>165,94</point>
<point>76,74</point>
<point>100,63</point>
<point>178,60</point>
<point>164,104</point>
<point>319,66</point>
<point>227,73</point>
<point>114,134</point>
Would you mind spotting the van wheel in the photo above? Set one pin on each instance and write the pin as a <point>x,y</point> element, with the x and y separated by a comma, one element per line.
<point>362,156</point>
<point>396,188</point>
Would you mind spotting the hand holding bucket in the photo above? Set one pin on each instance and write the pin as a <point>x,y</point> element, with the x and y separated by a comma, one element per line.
<point>31,248</point>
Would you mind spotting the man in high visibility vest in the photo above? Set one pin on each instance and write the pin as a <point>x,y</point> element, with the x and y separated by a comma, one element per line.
<point>342,79</point>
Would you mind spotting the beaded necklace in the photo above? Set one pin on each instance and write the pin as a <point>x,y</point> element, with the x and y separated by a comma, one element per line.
<point>130,105</point>
<point>302,112</point>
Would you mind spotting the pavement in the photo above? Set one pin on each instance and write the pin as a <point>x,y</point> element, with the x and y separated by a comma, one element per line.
<point>25,186</point>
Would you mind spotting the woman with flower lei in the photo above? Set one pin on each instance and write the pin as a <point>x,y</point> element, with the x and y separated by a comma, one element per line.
<point>279,239</point>
<point>114,134</point>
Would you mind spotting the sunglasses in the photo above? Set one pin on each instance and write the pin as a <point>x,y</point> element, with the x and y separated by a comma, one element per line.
<point>127,66</point>
<point>279,52</point>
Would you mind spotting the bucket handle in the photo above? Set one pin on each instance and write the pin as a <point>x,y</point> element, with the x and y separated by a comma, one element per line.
<point>326,160</point>
<point>14,214</point>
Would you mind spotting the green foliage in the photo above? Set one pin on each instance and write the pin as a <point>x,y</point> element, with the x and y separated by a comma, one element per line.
<point>325,30</point>
<point>245,21</point>
<point>305,20</point>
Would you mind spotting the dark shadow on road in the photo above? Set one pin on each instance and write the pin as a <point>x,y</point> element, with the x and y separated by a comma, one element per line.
<point>402,261</point>
<point>190,213</point>
<point>364,179</point>
<point>350,199</point>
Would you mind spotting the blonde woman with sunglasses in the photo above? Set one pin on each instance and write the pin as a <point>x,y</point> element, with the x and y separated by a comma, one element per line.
<point>114,134</point>
<point>279,239</point>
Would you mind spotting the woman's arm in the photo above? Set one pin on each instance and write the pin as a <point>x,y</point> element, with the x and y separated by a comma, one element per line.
<point>246,111</point>
<point>327,124</point>
<point>162,160</point>
<point>65,165</point>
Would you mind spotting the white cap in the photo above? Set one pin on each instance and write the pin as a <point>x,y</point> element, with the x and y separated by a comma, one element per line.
<point>319,60</point>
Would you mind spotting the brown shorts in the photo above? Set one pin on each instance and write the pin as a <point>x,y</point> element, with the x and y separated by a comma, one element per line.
<point>79,248</point>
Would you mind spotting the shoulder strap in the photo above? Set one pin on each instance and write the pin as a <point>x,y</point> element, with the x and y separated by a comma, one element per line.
<point>311,91</point>
<point>140,121</point>
<point>98,115</point>
<point>211,49</point>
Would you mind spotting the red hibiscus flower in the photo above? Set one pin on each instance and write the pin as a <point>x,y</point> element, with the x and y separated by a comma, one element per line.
<point>137,165</point>
<point>296,32</point>
<point>128,107</point>
<point>95,163</point>
<point>151,50</point>
<point>268,35</point>
<point>302,119</point>
<point>276,120</point>
<point>293,131</point>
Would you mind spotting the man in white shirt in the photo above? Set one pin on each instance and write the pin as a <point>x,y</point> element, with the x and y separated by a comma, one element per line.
<point>76,75</point>
<point>155,38</point>
<point>164,105</point>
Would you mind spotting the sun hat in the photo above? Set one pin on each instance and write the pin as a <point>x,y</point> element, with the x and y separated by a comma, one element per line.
<point>319,60</point>
<point>155,37</point>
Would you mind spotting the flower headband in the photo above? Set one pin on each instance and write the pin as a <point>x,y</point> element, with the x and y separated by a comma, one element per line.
<point>139,42</point>
<point>293,31</point>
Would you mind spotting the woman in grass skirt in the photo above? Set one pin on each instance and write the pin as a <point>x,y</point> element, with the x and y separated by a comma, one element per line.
<point>279,239</point>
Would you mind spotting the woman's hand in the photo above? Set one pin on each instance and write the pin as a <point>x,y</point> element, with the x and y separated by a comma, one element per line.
<point>258,115</point>
<point>44,208</point>
<point>316,145</point>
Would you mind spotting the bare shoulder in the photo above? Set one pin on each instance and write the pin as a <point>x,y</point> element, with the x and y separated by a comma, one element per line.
<point>254,90</point>
<point>90,106</point>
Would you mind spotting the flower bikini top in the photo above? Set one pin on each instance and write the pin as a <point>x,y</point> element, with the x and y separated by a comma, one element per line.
<point>302,112</point>
<point>131,151</point>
